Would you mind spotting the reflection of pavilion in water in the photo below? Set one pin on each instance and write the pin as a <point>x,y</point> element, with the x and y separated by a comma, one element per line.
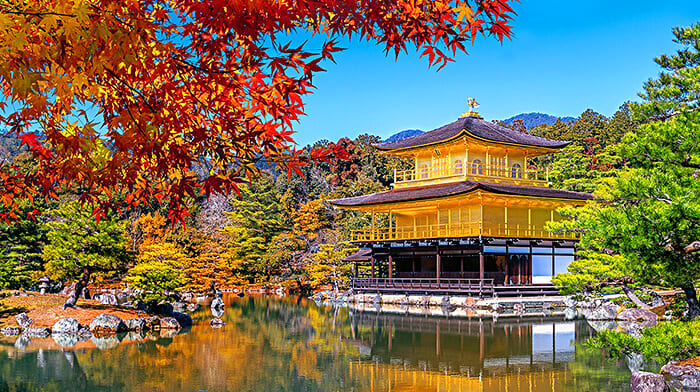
<point>481,348</point>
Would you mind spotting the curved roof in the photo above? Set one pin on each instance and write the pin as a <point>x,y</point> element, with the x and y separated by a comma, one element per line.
<point>453,189</point>
<point>475,127</point>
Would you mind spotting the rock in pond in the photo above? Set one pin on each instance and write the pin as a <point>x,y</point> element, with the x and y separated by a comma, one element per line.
<point>682,377</point>
<point>23,320</point>
<point>122,298</point>
<point>135,324</point>
<point>193,307</point>
<point>217,303</point>
<point>179,306</point>
<point>66,326</point>
<point>37,332</point>
<point>183,319</point>
<point>107,324</point>
<point>11,331</point>
<point>169,323</point>
<point>217,323</point>
<point>647,382</point>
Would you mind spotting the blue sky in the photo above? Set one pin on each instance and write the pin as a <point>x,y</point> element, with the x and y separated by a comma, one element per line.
<point>565,57</point>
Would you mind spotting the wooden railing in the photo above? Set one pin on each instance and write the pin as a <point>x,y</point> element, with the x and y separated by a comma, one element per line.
<point>481,287</point>
<point>479,172</point>
<point>453,230</point>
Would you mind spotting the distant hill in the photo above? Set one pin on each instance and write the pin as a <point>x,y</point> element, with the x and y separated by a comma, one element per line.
<point>403,135</point>
<point>534,119</point>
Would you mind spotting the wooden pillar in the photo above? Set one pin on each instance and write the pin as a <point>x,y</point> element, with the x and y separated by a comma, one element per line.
<point>372,235</point>
<point>437,265</point>
<point>481,270</point>
<point>391,267</point>
<point>505,216</point>
<point>505,267</point>
<point>525,166</point>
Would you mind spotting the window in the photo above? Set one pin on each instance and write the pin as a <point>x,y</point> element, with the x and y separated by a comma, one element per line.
<point>424,171</point>
<point>476,167</point>
<point>459,167</point>
<point>515,171</point>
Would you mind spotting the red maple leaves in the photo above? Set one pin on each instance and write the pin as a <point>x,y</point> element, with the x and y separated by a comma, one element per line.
<point>152,101</point>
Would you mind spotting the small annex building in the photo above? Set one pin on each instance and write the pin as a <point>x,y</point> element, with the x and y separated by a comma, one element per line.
<point>468,218</point>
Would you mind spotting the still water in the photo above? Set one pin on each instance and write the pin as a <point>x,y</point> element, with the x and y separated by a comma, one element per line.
<point>292,344</point>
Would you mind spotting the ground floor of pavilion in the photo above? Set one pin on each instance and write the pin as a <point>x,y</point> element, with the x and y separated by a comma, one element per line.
<point>469,266</point>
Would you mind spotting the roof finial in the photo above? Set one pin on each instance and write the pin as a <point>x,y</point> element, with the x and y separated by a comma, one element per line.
<point>472,105</point>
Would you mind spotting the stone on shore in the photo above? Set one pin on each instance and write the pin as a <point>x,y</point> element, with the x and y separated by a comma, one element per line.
<point>682,377</point>
<point>645,317</point>
<point>647,382</point>
<point>37,332</point>
<point>135,324</point>
<point>108,299</point>
<point>66,326</point>
<point>11,331</point>
<point>23,320</point>
<point>107,324</point>
<point>169,323</point>
<point>604,312</point>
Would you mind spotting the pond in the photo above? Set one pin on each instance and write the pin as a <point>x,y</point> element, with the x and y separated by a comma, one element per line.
<point>293,344</point>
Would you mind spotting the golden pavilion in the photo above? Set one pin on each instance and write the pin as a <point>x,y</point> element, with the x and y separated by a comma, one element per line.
<point>468,217</point>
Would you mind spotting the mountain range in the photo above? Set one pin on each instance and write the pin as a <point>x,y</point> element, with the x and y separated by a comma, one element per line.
<point>529,120</point>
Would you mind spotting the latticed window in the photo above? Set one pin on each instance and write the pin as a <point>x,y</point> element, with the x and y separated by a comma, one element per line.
<point>424,171</point>
<point>477,168</point>
<point>459,167</point>
<point>516,171</point>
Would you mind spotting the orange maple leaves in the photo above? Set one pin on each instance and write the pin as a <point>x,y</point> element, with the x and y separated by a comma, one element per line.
<point>155,101</point>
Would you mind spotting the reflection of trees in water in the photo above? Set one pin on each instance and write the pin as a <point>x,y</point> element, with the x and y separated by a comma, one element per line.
<point>289,344</point>
<point>265,345</point>
<point>43,371</point>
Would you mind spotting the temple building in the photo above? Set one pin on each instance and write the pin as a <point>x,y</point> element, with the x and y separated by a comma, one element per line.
<point>469,217</point>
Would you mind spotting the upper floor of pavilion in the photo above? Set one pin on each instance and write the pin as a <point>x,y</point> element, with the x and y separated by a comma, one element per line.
<point>472,149</point>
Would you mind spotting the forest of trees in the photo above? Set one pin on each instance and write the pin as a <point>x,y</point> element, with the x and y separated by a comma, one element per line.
<point>278,231</point>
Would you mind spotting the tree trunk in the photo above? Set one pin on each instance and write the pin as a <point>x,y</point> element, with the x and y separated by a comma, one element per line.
<point>692,298</point>
<point>633,297</point>
<point>80,285</point>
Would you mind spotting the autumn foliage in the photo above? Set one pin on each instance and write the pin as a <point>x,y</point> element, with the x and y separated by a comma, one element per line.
<point>136,102</point>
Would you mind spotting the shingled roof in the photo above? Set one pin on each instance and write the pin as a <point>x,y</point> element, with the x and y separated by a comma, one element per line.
<point>453,189</point>
<point>475,127</point>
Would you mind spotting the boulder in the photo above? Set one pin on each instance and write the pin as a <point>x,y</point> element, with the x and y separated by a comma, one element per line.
<point>108,299</point>
<point>179,306</point>
<point>217,312</point>
<point>193,307</point>
<point>135,324</point>
<point>183,319</point>
<point>217,303</point>
<point>11,331</point>
<point>187,296</point>
<point>169,323</point>
<point>107,324</point>
<point>647,382</point>
<point>682,377</point>
<point>604,312</point>
<point>23,320</point>
<point>122,298</point>
<point>37,332</point>
<point>569,302</point>
<point>164,309</point>
<point>66,326</point>
<point>644,317</point>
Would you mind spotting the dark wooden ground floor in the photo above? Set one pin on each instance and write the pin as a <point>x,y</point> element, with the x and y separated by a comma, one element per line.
<point>469,266</point>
